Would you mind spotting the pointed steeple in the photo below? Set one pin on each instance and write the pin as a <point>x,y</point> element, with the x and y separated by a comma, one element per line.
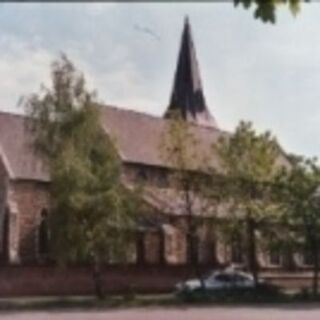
<point>187,96</point>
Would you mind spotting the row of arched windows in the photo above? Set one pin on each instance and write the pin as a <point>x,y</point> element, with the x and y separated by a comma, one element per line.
<point>43,244</point>
<point>276,256</point>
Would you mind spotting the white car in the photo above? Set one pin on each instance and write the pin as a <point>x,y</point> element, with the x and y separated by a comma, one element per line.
<point>218,280</point>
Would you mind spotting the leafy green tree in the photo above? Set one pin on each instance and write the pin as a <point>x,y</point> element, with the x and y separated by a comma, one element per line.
<point>182,150</point>
<point>300,198</point>
<point>249,164</point>
<point>265,10</point>
<point>91,212</point>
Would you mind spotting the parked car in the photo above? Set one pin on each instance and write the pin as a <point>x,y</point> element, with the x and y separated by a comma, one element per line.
<point>218,280</point>
<point>226,281</point>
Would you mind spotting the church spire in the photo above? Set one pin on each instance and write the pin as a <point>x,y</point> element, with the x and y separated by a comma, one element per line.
<point>187,96</point>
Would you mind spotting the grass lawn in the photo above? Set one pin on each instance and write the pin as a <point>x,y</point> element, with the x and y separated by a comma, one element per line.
<point>142,300</point>
<point>86,302</point>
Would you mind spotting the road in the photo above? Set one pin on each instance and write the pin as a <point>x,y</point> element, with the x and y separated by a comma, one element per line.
<point>271,312</point>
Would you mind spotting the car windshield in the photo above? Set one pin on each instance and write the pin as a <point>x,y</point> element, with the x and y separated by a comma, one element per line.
<point>240,278</point>
<point>223,277</point>
<point>228,277</point>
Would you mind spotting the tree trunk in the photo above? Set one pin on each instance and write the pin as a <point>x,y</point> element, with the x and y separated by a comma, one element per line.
<point>195,262</point>
<point>140,246</point>
<point>315,278</point>
<point>192,251</point>
<point>162,248</point>
<point>252,250</point>
<point>192,239</point>
<point>192,245</point>
<point>97,279</point>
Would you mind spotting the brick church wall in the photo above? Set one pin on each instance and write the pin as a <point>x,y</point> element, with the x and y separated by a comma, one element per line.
<point>175,245</point>
<point>30,198</point>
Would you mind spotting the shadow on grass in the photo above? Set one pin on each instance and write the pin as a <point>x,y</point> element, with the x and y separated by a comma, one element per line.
<point>86,303</point>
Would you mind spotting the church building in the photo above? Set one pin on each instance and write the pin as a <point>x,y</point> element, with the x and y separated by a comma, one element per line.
<point>24,180</point>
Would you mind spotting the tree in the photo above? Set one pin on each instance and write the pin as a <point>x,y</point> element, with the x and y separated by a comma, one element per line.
<point>181,149</point>
<point>91,211</point>
<point>265,10</point>
<point>249,164</point>
<point>299,195</point>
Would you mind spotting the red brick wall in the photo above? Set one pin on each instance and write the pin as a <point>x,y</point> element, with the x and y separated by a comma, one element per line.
<point>37,280</point>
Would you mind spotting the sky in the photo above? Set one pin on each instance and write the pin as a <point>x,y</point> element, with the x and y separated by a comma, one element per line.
<point>264,73</point>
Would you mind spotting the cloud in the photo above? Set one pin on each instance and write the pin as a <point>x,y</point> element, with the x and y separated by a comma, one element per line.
<point>268,74</point>
<point>98,8</point>
<point>23,66</point>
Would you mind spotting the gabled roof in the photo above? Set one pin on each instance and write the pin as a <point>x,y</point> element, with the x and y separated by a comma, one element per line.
<point>16,149</point>
<point>187,98</point>
<point>137,136</point>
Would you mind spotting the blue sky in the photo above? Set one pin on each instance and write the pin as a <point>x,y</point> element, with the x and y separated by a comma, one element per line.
<point>269,74</point>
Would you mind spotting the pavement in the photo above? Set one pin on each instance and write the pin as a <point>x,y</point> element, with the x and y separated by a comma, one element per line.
<point>258,312</point>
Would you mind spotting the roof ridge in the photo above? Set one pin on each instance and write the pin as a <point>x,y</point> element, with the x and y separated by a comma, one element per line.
<point>13,114</point>
<point>154,117</point>
<point>137,112</point>
<point>120,109</point>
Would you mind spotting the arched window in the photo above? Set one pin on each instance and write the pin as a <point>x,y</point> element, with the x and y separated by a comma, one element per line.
<point>307,257</point>
<point>142,175</point>
<point>275,255</point>
<point>140,247</point>
<point>163,179</point>
<point>43,234</point>
<point>5,236</point>
<point>237,248</point>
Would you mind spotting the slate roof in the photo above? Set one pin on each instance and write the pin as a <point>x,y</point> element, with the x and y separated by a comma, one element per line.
<point>137,136</point>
